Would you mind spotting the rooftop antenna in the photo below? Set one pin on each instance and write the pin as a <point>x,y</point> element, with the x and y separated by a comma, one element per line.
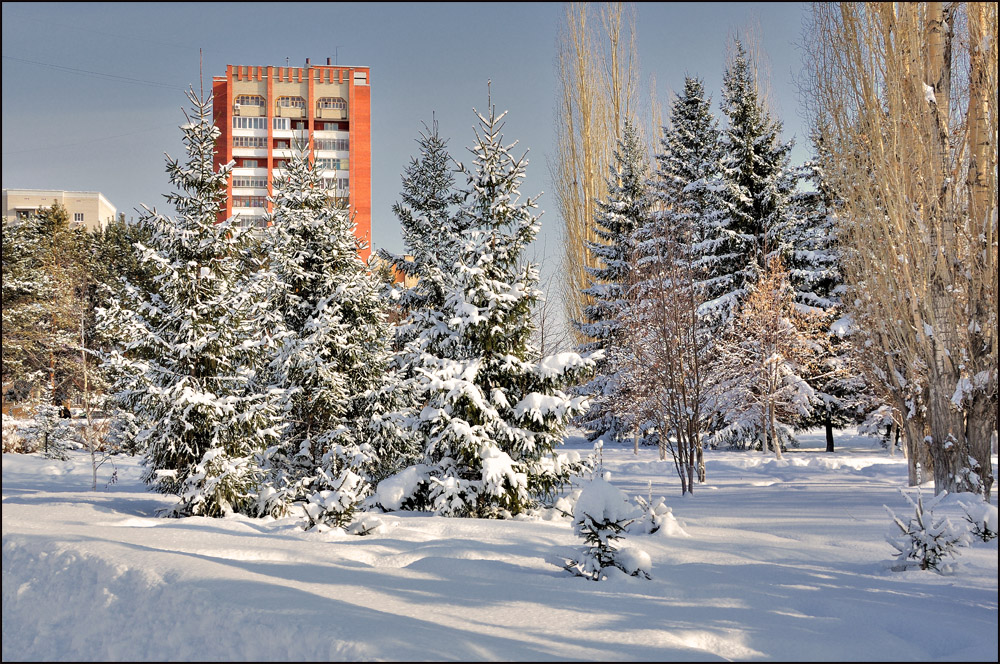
<point>286,62</point>
<point>336,55</point>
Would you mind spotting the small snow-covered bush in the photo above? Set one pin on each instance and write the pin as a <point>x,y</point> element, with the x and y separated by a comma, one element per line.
<point>48,432</point>
<point>219,486</point>
<point>926,539</point>
<point>335,508</point>
<point>983,519</point>
<point>14,441</point>
<point>601,516</point>
<point>654,517</point>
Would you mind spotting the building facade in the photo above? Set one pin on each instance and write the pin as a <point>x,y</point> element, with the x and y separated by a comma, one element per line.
<point>265,113</point>
<point>86,208</point>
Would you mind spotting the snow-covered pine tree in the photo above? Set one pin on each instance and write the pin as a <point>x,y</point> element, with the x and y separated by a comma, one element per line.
<point>331,354</point>
<point>192,342</point>
<point>432,232</point>
<point>48,432</point>
<point>431,228</point>
<point>615,220</point>
<point>602,516</point>
<point>490,418</point>
<point>753,192</point>
<point>686,210</point>
<point>26,289</point>
<point>672,248</point>
<point>814,273</point>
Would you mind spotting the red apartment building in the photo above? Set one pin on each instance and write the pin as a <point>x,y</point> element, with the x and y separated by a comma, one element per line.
<point>265,112</point>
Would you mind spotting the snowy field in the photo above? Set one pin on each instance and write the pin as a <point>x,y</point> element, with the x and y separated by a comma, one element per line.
<point>781,561</point>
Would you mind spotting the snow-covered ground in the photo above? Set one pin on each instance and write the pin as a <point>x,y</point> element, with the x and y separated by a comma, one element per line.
<point>782,561</point>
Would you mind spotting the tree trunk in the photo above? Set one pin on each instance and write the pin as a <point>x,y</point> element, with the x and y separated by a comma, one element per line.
<point>774,433</point>
<point>700,451</point>
<point>829,430</point>
<point>894,439</point>
<point>981,423</point>
<point>919,464</point>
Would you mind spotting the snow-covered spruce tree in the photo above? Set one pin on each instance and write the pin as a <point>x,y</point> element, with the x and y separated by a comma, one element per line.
<point>489,418</point>
<point>753,191</point>
<point>601,517</point>
<point>431,228</point>
<point>48,432</point>
<point>842,394</point>
<point>686,209</point>
<point>191,343</point>
<point>666,341</point>
<point>44,269</point>
<point>926,539</point>
<point>615,221</point>
<point>432,232</point>
<point>330,357</point>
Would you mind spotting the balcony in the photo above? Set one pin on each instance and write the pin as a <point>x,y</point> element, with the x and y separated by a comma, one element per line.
<point>247,111</point>
<point>331,114</point>
<point>290,112</point>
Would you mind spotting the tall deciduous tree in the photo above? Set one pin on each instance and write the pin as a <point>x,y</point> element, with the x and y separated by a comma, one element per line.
<point>598,82</point>
<point>906,97</point>
<point>759,363</point>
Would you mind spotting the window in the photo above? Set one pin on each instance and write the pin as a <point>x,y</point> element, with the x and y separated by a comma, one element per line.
<point>251,221</point>
<point>249,142</point>
<point>281,124</point>
<point>250,100</point>
<point>331,144</point>
<point>282,144</point>
<point>332,164</point>
<point>332,102</point>
<point>331,126</point>
<point>300,124</point>
<point>78,216</point>
<point>249,181</point>
<point>249,201</point>
<point>288,101</point>
<point>249,123</point>
<point>336,184</point>
<point>360,78</point>
<point>249,163</point>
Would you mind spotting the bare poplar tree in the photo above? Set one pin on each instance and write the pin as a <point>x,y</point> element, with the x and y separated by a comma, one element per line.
<point>597,93</point>
<point>905,95</point>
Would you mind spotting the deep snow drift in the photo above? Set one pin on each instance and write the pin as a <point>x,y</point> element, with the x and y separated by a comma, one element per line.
<point>770,560</point>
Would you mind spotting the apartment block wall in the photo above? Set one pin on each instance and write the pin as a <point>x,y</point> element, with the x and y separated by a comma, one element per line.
<point>265,113</point>
<point>88,208</point>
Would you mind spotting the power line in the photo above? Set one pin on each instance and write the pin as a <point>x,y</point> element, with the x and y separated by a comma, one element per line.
<point>95,140</point>
<point>98,74</point>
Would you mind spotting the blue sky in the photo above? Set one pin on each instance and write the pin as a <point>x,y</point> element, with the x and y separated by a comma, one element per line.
<point>92,92</point>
